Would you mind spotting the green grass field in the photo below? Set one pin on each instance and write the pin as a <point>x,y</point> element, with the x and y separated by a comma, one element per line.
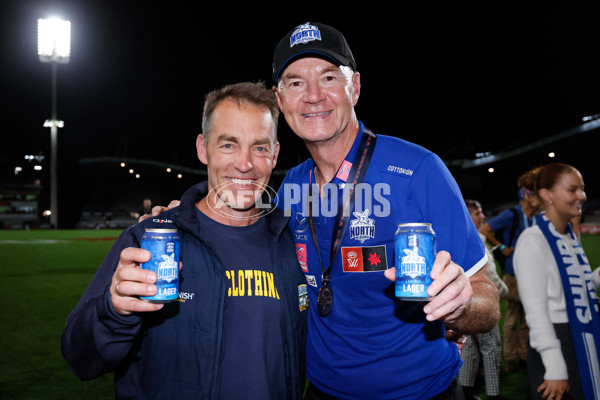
<point>43,274</point>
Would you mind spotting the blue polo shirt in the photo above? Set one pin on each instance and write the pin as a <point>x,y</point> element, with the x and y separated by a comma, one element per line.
<point>373,345</point>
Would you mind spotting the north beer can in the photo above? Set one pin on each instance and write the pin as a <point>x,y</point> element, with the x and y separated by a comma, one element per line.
<point>164,245</point>
<point>415,253</point>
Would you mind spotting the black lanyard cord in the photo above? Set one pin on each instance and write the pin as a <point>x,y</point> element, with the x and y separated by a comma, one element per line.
<point>357,173</point>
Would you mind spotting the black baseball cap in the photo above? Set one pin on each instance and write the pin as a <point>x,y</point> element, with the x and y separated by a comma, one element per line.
<point>309,40</point>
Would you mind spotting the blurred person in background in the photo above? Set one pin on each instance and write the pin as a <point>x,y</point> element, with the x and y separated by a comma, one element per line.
<point>145,209</point>
<point>512,222</point>
<point>485,347</point>
<point>558,291</point>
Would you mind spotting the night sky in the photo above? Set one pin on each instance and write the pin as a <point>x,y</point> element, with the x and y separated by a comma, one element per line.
<point>458,79</point>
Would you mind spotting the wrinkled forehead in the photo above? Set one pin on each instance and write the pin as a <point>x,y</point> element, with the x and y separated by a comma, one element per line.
<point>241,120</point>
<point>309,64</point>
<point>314,67</point>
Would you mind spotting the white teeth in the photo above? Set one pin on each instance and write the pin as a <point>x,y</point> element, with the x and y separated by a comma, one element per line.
<point>316,114</point>
<point>241,181</point>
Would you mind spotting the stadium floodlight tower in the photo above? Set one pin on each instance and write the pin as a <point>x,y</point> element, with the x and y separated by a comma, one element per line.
<point>54,46</point>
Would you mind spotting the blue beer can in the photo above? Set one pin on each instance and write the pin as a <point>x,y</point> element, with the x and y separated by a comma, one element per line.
<point>415,254</point>
<point>164,245</point>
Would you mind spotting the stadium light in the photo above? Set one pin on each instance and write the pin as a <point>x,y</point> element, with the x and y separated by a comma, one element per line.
<point>54,40</point>
<point>54,46</point>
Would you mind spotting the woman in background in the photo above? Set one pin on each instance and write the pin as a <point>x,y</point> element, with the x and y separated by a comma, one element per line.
<point>558,292</point>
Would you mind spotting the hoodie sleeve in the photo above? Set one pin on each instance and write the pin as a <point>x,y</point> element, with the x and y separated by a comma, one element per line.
<point>96,338</point>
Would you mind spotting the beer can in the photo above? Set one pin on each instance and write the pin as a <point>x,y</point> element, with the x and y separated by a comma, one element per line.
<point>164,245</point>
<point>415,254</point>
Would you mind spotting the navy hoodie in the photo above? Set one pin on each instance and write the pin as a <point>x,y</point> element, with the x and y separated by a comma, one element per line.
<point>176,352</point>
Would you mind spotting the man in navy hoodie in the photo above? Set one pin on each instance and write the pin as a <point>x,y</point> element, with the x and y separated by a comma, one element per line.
<point>238,328</point>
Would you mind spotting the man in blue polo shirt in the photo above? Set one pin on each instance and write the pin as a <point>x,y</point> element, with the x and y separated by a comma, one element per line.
<point>345,205</point>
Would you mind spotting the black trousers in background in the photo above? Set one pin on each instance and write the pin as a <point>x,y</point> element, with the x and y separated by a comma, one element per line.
<point>454,392</point>
<point>536,370</point>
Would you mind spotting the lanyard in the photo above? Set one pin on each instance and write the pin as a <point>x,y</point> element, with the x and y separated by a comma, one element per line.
<point>357,173</point>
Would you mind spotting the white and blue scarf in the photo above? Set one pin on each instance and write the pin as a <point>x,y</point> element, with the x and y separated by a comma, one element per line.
<point>581,300</point>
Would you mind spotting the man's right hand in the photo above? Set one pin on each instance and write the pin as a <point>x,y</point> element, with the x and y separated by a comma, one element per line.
<point>131,281</point>
<point>159,209</point>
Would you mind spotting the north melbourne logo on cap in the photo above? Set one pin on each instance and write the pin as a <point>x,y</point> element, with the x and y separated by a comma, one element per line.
<point>305,33</point>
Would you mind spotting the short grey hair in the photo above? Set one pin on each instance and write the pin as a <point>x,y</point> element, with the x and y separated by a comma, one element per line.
<point>254,93</point>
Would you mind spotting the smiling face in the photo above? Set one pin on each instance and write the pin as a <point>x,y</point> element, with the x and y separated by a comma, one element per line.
<point>477,216</point>
<point>240,153</point>
<point>566,197</point>
<point>317,99</point>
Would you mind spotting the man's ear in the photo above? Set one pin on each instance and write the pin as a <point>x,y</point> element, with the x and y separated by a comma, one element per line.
<point>275,155</point>
<point>201,149</point>
<point>277,96</point>
<point>355,88</point>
